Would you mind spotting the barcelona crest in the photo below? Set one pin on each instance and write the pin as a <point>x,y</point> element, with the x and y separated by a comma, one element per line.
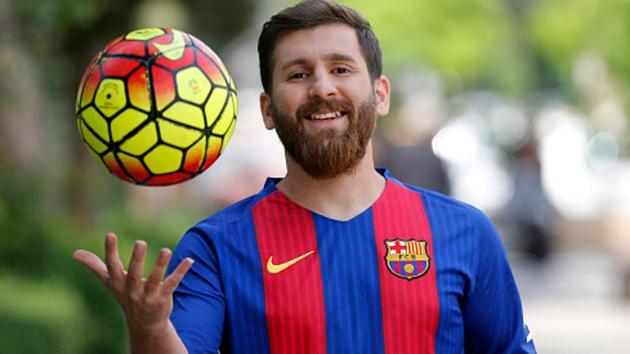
<point>408,258</point>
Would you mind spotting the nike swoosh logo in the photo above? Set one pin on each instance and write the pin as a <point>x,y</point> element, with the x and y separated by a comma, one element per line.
<point>277,268</point>
<point>175,49</point>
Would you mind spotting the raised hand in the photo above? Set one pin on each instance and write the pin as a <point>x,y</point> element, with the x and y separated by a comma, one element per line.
<point>146,303</point>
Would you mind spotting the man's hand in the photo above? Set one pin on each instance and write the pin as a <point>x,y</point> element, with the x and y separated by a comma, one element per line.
<point>146,303</point>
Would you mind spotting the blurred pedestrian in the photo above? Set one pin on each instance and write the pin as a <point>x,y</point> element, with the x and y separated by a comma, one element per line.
<point>528,212</point>
<point>410,157</point>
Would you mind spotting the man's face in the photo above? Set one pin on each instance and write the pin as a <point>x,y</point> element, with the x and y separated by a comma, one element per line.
<point>323,102</point>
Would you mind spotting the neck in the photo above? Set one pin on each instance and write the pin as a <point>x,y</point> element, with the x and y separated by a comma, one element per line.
<point>340,198</point>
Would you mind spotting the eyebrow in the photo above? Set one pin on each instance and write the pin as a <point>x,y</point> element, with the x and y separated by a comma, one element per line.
<point>292,62</point>
<point>339,57</point>
<point>328,57</point>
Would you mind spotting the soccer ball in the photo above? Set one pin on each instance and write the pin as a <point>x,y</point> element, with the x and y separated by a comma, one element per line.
<point>156,106</point>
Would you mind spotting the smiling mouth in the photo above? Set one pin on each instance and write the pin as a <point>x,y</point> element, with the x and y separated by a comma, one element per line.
<point>326,116</point>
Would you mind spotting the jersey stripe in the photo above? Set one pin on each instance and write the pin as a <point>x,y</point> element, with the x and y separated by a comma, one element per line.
<point>351,286</point>
<point>294,304</point>
<point>248,332</point>
<point>410,307</point>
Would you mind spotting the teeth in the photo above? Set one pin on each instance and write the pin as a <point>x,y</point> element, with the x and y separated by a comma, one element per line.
<point>320,116</point>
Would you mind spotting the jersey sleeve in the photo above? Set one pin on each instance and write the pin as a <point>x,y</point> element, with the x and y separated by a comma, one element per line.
<point>198,303</point>
<point>493,315</point>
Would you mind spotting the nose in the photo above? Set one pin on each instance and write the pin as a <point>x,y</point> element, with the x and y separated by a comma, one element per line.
<point>322,86</point>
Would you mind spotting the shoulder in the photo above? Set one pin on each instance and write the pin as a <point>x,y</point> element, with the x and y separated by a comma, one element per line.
<point>452,218</point>
<point>235,214</point>
<point>436,202</point>
<point>204,234</point>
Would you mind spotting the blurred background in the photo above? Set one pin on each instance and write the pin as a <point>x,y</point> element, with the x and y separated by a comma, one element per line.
<point>519,107</point>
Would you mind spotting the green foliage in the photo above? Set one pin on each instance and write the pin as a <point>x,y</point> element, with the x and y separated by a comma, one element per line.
<point>50,301</point>
<point>464,40</point>
<point>565,29</point>
<point>33,312</point>
<point>59,15</point>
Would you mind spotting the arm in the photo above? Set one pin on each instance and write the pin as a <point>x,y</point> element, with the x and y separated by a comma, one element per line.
<point>493,316</point>
<point>199,301</point>
<point>156,341</point>
<point>146,303</point>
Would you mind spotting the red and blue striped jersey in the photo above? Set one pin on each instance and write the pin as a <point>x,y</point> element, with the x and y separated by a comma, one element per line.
<point>417,272</point>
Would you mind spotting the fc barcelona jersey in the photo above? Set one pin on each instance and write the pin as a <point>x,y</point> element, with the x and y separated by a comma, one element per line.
<point>417,272</point>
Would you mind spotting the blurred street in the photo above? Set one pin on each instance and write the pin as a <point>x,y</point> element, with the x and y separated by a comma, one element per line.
<point>573,303</point>
<point>520,108</point>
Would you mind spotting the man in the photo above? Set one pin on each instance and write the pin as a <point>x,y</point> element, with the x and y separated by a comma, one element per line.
<point>336,256</point>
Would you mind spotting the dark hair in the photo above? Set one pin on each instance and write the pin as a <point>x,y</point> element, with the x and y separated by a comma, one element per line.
<point>309,14</point>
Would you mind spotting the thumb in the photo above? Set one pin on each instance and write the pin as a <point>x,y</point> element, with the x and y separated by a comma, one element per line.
<point>92,262</point>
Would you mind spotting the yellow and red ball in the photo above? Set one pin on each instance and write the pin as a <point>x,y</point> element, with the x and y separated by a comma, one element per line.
<point>156,106</point>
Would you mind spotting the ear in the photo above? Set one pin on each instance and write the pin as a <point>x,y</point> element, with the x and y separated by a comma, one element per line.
<point>265,109</point>
<point>382,92</point>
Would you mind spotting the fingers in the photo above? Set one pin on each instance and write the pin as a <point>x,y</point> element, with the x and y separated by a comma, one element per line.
<point>91,261</point>
<point>136,267</point>
<point>172,281</point>
<point>112,272</point>
<point>157,274</point>
<point>112,259</point>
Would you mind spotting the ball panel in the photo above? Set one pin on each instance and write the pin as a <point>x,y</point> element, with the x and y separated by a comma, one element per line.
<point>212,151</point>
<point>209,67</point>
<point>91,67</point>
<point>187,114</point>
<point>111,44</point>
<point>142,141</point>
<point>163,87</point>
<point>177,135</point>
<point>98,158</point>
<point>97,123</point>
<point>163,159</point>
<point>125,122</point>
<point>172,43</point>
<point>90,139</point>
<point>134,48</point>
<point>232,85</point>
<point>90,86</point>
<point>144,34</point>
<point>194,156</point>
<point>176,58</point>
<point>118,67</point>
<point>134,167</point>
<point>138,87</point>
<point>215,105</point>
<point>169,179</point>
<point>226,118</point>
<point>110,96</point>
<point>192,85</point>
<point>228,135</point>
<point>209,53</point>
<point>112,165</point>
<point>234,101</point>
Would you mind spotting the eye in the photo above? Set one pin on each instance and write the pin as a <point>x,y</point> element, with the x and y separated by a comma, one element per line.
<point>341,70</point>
<point>297,76</point>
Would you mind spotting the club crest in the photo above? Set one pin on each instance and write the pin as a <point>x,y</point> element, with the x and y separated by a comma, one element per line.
<point>408,258</point>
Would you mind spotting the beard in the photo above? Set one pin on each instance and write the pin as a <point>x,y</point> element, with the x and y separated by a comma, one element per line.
<point>327,153</point>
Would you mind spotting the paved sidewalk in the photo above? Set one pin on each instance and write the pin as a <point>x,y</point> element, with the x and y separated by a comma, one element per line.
<point>572,304</point>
